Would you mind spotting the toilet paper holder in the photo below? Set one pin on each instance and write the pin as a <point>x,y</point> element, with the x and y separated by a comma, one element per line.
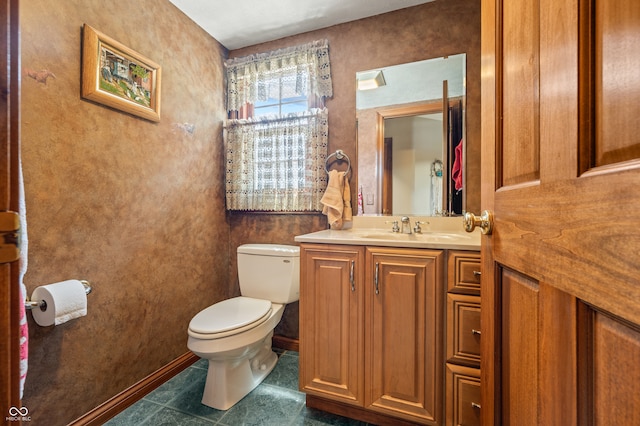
<point>30,304</point>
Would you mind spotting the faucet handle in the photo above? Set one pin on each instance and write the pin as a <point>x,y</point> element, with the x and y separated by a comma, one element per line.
<point>395,228</point>
<point>417,229</point>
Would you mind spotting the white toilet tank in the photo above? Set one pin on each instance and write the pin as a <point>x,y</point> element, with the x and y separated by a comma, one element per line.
<point>270,272</point>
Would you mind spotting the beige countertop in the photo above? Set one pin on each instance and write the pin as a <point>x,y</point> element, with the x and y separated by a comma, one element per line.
<point>437,233</point>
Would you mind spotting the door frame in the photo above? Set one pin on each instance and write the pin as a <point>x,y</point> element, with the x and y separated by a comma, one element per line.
<point>490,359</point>
<point>9,201</point>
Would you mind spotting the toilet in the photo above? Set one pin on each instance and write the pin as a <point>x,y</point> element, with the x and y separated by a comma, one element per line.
<point>235,334</point>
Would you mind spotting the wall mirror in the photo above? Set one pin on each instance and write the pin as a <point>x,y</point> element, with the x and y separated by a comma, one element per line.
<point>410,137</point>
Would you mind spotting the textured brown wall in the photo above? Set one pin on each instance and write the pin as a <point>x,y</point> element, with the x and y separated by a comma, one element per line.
<point>135,207</point>
<point>431,30</point>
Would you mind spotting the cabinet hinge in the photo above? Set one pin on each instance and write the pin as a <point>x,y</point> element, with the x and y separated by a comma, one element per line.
<point>9,237</point>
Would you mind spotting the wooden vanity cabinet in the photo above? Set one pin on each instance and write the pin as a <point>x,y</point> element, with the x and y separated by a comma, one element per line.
<point>371,332</point>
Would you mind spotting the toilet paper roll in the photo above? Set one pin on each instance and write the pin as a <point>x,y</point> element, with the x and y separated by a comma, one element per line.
<point>65,300</point>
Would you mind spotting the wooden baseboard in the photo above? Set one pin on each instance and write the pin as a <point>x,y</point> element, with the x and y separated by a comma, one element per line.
<point>133,394</point>
<point>285,343</point>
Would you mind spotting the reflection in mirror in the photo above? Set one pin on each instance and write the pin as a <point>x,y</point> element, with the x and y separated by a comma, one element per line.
<point>410,138</point>
<point>414,145</point>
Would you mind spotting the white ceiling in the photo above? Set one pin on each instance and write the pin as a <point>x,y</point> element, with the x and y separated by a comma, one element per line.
<point>248,22</point>
<point>416,82</point>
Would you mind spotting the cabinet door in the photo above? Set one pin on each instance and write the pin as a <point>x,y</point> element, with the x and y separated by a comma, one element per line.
<point>331,312</point>
<point>404,312</point>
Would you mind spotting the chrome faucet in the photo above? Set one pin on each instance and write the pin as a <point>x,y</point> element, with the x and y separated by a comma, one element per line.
<point>395,228</point>
<point>417,229</point>
<point>406,225</point>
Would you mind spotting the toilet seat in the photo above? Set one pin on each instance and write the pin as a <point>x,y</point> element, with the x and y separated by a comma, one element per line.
<point>229,317</point>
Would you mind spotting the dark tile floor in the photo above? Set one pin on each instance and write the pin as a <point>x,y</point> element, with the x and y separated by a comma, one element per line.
<point>275,402</point>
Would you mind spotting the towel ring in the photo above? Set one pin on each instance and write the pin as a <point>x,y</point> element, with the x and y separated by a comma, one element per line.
<point>340,155</point>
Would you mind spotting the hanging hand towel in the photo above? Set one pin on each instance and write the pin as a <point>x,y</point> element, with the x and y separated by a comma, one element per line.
<point>347,212</point>
<point>24,248</point>
<point>332,199</point>
<point>456,172</point>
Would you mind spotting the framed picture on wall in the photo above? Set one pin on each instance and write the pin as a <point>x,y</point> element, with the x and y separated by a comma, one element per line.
<point>119,77</point>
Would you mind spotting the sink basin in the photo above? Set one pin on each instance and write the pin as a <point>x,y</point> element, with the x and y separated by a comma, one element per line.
<point>444,236</point>
<point>425,236</point>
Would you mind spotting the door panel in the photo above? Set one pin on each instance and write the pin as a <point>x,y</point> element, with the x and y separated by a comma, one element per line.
<point>561,266</point>
<point>519,295</point>
<point>611,370</point>
<point>617,86</point>
<point>520,93</point>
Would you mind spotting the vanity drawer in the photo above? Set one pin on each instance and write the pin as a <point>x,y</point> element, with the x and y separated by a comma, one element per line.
<point>463,329</point>
<point>462,395</point>
<point>464,272</point>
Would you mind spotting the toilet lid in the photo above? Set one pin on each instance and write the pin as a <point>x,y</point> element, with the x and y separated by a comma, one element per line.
<point>230,314</point>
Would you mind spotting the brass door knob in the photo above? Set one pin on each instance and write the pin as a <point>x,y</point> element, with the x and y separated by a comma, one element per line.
<point>485,222</point>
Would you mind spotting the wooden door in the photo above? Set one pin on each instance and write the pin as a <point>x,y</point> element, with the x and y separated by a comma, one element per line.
<point>404,352</point>
<point>331,322</point>
<point>561,172</point>
<point>9,146</point>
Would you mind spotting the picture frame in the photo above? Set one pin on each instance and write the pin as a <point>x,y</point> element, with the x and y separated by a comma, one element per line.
<point>119,77</point>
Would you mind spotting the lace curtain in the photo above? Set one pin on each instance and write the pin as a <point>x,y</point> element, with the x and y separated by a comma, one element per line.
<point>303,70</point>
<point>277,164</point>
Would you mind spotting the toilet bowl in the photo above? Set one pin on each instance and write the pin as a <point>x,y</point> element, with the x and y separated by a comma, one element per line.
<point>234,335</point>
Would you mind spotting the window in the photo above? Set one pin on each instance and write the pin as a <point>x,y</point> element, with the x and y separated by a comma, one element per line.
<point>276,149</point>
<point>280,106</point>
<point>280,98</point>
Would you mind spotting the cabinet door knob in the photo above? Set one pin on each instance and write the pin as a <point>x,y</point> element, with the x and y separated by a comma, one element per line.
<point>474,331</point>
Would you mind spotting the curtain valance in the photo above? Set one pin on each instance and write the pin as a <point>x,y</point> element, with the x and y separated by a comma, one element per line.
<point>302,70</point>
